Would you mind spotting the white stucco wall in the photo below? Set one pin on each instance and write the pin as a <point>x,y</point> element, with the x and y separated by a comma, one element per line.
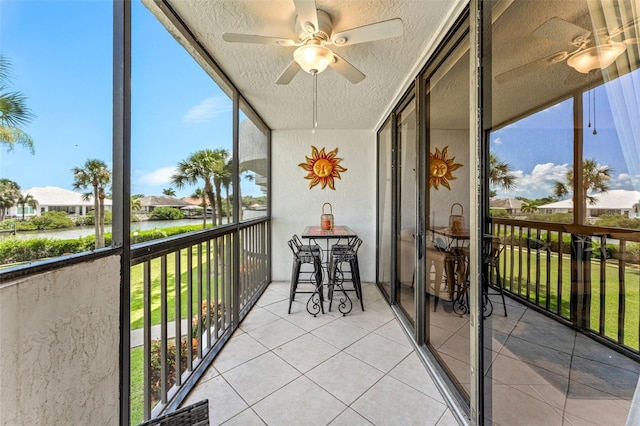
<point>295,206</point>
<point>59,346</point>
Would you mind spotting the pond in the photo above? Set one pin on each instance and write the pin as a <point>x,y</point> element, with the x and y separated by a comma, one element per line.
<point>83,231</point>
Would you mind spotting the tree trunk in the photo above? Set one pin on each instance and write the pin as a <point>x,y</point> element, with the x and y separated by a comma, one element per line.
<point>101,227</point>
<point>219,201</point>
<point>208,189</point>
<point>96,211</point>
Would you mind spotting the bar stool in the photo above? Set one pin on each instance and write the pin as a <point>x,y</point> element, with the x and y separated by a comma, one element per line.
<point>300,276</point>
<point>341,256</point>
<point>491,251</point>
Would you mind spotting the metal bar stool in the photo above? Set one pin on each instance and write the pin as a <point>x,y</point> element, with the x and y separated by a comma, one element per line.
<point>343,255</point>
<point>300,276</point>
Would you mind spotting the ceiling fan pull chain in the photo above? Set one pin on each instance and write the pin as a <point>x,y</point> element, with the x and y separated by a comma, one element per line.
<point>315,100</point>
<point>589,101</point>
<point>595,132</point>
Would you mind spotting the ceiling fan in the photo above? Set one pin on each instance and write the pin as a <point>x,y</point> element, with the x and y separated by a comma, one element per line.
<point>315,32</point>
<point>592,51</point>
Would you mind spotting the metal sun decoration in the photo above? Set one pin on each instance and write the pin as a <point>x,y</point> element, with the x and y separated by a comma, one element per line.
<point>322,168</point>
<point>440,168</point>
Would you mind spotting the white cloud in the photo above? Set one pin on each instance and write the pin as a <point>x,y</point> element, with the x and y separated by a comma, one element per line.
<point>539,183</point>
<point>206,110</point>
<point>159,176</point>
<point>497,141</point>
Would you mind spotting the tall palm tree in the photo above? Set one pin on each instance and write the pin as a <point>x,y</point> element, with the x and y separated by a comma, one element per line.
<point>226,184</point>
<point>169,192</point>
<point>199,165</point>
<point>136,204</point>
<point>595,178</point>
<point>26,199</point>
<point>13,112</point>
<point>529,207</point>
<point>219,173</point>
<point>94,174</point>
<point>9,194</point>
<point>202,196</point>
<point>500,174</point>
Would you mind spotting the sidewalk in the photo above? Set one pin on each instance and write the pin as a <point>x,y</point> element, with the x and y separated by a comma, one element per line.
<point>137,336</point>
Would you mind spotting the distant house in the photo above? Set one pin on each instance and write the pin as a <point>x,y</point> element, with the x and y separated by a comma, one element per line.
<point>510,205</point>
<point>53,198</point>
<point>616,201</point>
<point>151,202</point>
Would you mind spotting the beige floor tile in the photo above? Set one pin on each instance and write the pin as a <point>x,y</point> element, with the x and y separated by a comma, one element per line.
<point>261,376</point>
<point>509,406</point>
<point>238,350</point>
<point>271,296</point>
<point>409,407</point>
<point>350,418</point>
<point>301,318</point>
<point>257,317</point>
<point>370,320</point>
<point>340,333</point>
<point>447,419</point>
<point>276,333</point>
<point>224,402</point>
<point>246,418</point>
<point>379,352</point>
<point>306,352</point>
<point>345,377</point>
<point>412,372</point>
<point>300,402</point>
<point>392,331</point>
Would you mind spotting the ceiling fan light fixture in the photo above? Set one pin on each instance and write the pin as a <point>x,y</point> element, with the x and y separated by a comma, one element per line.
<point>597,57</point>
<point>313,57</point>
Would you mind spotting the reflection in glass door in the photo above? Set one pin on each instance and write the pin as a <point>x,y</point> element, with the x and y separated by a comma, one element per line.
<point>406,210</point>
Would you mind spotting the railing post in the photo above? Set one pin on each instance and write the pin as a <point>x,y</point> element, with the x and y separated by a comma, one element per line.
<point>580,303</point>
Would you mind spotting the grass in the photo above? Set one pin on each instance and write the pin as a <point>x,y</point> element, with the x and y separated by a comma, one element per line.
<point>530,282</point>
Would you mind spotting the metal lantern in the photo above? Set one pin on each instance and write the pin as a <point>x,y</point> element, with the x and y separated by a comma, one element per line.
<point>456,221</point>
<point>326,220</point>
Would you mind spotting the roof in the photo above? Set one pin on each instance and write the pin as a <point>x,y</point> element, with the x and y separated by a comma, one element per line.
<point>162,201</point>
<point>56,196</point>
<point>505,203</point>
<point>613,199</point>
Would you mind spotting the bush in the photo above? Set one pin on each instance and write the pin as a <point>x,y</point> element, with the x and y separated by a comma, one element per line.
<point>156,364</point>
<point>553,217</point>
<point>52,220</point>
<point>166,213</point>
<point>90,219</point>
<point>618,221</point>
<point>499,213</point>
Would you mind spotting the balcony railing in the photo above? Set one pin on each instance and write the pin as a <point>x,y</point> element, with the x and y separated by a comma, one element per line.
<point>586,276</point>
<point>188,294</point>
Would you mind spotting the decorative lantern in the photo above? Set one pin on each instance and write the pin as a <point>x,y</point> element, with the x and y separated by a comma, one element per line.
<point>456,221</point>
<point>326,220</point>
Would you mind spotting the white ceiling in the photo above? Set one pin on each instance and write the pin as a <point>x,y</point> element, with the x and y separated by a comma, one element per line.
<point>391,64</point>
<point>253,69</point>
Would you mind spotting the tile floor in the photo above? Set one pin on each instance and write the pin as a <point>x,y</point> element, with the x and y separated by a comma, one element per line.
<point>281,369</point>
<point>360,369</point>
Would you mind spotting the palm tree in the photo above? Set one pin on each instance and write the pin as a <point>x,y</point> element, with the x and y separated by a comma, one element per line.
<point>500,174</point>
<point>135,204</point>
<point>13,112</point>
<point>595,178</point>
<point>202,196</point>
<point>169,192</point>
<point>226,184</point>
<point>9,194</point>
<point>26,199</point>
<point>94,174</point>
<point>528,207</point>
<point>219,173</point>
<point>199,165</point>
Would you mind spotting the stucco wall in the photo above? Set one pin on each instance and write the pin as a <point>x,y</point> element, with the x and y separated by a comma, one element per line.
<point>59,344</point>
<point>295,206</point>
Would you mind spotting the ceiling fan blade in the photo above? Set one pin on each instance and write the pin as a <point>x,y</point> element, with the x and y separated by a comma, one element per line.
<point>561,30</point>
<point>531,67</point>
<point>307,15</point>
<point>258,39</point>
<point>288,73</point>
<point>347,70</point>
<point>378,31</point>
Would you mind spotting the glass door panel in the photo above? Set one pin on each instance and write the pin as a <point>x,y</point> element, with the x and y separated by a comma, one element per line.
<point>385,204</point>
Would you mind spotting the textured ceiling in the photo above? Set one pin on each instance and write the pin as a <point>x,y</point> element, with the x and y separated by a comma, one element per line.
<point>253,69</point>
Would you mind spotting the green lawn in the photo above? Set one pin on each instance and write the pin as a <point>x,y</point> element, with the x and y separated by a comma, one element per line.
<point>525,279</point>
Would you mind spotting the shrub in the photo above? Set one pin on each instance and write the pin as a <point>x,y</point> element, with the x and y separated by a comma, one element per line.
<point>156,364</point>
<point>499,213</point>
<point>52,220</point>
<point>90,219</point>
<point>618,221</point>
<point>166,213</point>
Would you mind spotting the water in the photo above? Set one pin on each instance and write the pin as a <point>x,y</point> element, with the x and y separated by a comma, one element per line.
<point>83,231</point>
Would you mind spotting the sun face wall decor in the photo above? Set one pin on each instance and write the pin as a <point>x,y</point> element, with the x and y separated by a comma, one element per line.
<point>322,168</point>
<point>441,168</point>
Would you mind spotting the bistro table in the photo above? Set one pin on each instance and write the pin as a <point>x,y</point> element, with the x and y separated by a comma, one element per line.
<point>455,247</point>
<point>325,239</point>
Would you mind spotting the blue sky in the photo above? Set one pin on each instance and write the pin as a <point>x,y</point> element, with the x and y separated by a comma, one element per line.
<point>539,148</point>
<point>61,55</point>
<point>61,52</point>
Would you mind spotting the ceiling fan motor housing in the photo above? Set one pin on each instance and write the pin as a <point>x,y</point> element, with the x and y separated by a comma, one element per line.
<point>323,31</point>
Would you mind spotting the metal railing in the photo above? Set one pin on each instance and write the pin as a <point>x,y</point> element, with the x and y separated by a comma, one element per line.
<point>188,294</point>
<point>586,276</point>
